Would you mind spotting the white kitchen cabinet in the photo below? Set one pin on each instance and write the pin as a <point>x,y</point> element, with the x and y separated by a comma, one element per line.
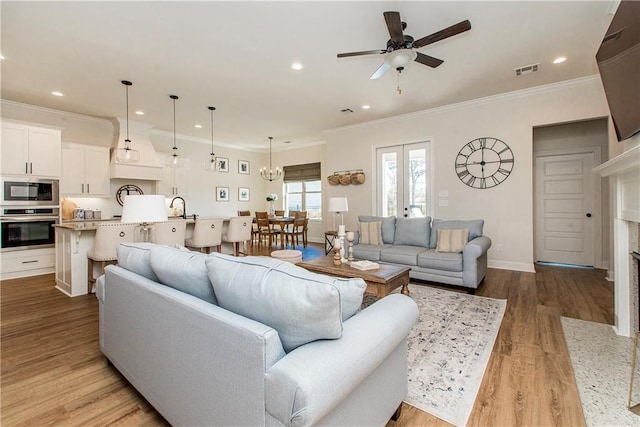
<point>175,181</point>
<point>30,262</point>
<point>30,151</point>
<point>85,170</point>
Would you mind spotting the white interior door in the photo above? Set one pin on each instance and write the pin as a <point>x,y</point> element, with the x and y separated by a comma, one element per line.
<point>403,180</point>
<point>564,220</point>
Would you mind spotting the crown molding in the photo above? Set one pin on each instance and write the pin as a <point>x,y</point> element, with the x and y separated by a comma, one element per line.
<point>506,96</point>
<point>58,113</point>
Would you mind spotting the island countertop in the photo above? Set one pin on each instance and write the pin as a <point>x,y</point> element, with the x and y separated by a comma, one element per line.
<point>82,225</point>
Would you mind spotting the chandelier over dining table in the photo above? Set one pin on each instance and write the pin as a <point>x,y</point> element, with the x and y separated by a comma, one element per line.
<point>270,174</point>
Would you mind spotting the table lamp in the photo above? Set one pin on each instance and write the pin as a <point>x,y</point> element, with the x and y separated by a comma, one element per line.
<point>144,209</point>
<point>338,205</point>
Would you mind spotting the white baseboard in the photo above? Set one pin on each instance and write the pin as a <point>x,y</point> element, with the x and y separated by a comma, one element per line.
<point>508,265</point>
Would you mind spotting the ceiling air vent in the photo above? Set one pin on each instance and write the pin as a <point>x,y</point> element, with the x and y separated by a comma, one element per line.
<point>613,36</point>
<point>527,69</point>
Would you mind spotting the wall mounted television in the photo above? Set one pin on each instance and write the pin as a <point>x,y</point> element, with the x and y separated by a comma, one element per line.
<point>619,64</point>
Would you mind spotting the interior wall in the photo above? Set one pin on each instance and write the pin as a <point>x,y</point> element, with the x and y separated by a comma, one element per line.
<point>575,136</point>
<point>508,208</point>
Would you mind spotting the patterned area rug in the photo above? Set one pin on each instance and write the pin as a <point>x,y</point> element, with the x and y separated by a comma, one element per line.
<point>449,348</point>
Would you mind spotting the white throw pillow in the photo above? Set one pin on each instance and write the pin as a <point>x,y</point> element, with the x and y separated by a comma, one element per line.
<point>371,233</point>
<point>452,240</point>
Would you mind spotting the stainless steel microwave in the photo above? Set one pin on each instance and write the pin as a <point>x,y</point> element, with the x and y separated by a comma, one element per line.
<point>19,191</point>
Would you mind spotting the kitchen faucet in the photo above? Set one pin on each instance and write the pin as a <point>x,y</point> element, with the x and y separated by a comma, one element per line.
<point>184,206</point>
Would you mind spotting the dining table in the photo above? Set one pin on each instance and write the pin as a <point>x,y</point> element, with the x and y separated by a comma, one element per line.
<point>283,222</point>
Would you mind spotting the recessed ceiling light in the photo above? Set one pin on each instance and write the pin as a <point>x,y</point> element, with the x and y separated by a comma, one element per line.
<point>559,60</point>
<point>140,113</point>
<point>296,66</point>
<point>198,126</point>
<point>366,107</point>
<point>56,93</point>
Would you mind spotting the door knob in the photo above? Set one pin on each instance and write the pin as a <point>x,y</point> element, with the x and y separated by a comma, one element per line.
<point>589,215</point>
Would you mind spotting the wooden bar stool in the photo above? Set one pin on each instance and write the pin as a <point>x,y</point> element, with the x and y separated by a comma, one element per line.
<point>239,230</point>
<point>207,233</point>
<point>170,233</point>
<point>108,237</point>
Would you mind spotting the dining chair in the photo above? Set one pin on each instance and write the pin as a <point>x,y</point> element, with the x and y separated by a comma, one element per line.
<point>265,228</point>
<point>108,237</point>
<point>170,233</point>
<point>207,234</point>
<point>296,231</point>
<point>238,231</point>
<point>278,227</point>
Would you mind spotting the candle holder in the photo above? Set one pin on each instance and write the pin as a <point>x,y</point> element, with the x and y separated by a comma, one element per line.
<point>350,238</point>
<point>337,261</point>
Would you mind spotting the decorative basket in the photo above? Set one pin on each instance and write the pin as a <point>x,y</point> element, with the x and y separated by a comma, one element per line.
<point>345,178</point>
<point>334,179</point>
<point>357,178</point>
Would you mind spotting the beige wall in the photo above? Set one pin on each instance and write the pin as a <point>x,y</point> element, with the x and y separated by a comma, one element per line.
<point>508,208</point>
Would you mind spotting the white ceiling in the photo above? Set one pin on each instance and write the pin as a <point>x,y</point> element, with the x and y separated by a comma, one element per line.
<point>236,56</point>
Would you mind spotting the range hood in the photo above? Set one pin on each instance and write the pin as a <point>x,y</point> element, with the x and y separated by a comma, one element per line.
<point>149,167</point>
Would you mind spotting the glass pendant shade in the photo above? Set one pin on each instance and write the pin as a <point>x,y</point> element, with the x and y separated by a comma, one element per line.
<point>174,160</point>
<point>210,164</point>
<point>127,154</point>
<point>270,174</point>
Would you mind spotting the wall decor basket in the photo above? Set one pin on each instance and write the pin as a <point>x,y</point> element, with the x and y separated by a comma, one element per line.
<point>356,177</point>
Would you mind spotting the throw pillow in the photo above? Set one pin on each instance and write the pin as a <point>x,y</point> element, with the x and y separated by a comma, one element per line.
<point>388,226</point>
<point>371,233</point>
<point>184,271</point>
<point>300,305</point>
<point>474,226</point>
<point>452,240</point>
<point>413,231</point>
<point>135,257</point>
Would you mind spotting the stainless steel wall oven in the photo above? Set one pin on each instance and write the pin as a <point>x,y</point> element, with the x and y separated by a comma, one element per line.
<point>27,228</point>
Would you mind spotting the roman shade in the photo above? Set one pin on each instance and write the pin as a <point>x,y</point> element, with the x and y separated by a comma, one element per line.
<point>306,172</point>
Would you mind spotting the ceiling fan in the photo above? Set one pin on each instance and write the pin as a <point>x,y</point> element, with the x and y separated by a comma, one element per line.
<point>400,47</point>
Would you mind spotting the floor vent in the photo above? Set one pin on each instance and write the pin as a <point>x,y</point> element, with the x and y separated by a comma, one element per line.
<point>527,69</point>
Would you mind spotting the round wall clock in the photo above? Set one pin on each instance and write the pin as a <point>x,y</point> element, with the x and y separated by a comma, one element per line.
<point>125,190</point>
<point>484,162</point>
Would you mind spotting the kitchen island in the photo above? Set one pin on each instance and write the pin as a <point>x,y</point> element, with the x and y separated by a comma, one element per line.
<point>73,240</point>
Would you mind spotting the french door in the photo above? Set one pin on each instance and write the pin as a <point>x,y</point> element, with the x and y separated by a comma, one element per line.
<point>403,184</point>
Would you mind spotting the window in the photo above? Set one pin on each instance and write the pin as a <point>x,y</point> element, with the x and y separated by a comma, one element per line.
<point>303,189</point>
<point>304,196</point>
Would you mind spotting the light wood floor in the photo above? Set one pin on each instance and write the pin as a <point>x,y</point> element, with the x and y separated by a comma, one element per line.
<point>54,374</point>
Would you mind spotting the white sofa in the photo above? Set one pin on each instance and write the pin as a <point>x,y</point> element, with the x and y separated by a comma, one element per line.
<point>165,327</point>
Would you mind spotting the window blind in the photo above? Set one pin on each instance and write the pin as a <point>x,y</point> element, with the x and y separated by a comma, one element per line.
<point>306,172</point>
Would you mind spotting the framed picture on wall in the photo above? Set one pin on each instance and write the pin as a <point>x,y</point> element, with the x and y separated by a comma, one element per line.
<point>243,194</point>
<point>222,194</point>
<point>243,167</point>
<point>222,164</point>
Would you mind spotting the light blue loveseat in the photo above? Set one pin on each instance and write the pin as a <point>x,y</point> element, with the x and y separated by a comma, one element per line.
<point>412,242</point>
<point>320,360</point>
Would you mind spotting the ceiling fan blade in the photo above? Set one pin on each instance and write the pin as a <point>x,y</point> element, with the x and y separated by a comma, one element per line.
<point>380,71</point>
<point>428,60</point>
<point>453,30</point>
<point>365,52</point>
<point>394,25</point>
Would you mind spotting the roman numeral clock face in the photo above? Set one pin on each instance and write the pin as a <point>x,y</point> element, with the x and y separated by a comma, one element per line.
<point>484,163</point>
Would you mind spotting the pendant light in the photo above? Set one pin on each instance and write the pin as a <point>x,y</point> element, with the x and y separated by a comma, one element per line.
<point>127,154</point>
<point>270,175</point>
<point>210,164</point>
<point>175,160</point>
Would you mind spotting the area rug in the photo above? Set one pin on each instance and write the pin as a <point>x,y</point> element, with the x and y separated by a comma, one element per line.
<point>601,362</point>
<point>449,348</point>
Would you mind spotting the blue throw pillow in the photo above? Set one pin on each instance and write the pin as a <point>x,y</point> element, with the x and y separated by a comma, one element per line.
<point>413,231</point>
<point>185,271</point>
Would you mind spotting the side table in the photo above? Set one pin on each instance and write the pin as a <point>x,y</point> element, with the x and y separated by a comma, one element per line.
<point>329,238</point>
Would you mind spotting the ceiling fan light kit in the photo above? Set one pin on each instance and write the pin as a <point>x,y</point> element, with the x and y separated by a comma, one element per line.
<point>400,47</point>
<point>127,154</point>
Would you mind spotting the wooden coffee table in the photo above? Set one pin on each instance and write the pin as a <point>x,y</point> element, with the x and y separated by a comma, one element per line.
<point>380,282</point>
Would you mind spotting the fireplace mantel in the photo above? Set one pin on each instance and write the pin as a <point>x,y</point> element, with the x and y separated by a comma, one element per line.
<point>624,171</point>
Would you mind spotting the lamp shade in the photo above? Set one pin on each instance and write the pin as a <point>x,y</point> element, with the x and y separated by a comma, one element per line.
<point>338,204</point>
<point>144,208</point>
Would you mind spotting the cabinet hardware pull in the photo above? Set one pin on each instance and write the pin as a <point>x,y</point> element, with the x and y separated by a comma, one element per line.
<point>30,262</point>
<point>31,166</point>
<point>88,191</point>
<point>82,188</point>
<point>26,167</point>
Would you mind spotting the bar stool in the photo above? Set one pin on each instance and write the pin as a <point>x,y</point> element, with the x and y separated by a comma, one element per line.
<point>207,233</point>
<point>239,230</point>
<point>254,226</point>
<point>170,233</point>
<point>108,237</point>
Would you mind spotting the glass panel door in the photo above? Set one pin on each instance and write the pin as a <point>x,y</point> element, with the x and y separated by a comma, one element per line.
<point>403,184</point>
